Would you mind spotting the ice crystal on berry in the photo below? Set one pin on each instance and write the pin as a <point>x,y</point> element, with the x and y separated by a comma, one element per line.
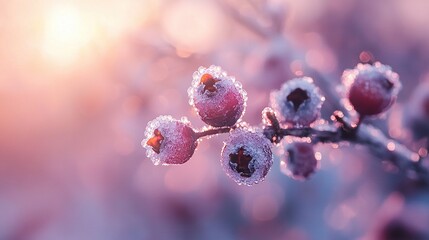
<point>218,98</point>
<point>169,141</point>
<point>298,102</point>
<point>246,156</point>
<point>371,89</point>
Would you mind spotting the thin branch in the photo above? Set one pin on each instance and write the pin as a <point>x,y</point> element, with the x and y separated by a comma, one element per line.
<point>362,134</point>
<point>212,131</point>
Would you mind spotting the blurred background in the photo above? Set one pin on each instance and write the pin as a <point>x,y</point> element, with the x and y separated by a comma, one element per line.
<point>79,80</point>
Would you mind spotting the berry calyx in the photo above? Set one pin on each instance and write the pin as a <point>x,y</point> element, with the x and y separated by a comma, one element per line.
<point>246,156</point>
<point>169,141</point>
<point>298,102</point>
<point>240,161</point>
<point>297,97</point>
<point>155,141</point>
<point>217,98</point>
<point>299,160</point>
<point>371,88</point>
<point>209,82</point>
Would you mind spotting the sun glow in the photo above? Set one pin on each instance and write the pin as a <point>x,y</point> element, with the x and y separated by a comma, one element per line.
<point>66,33</point>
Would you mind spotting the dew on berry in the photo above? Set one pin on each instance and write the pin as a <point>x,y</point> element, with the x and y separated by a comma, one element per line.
<point>169,141</point>
<point>371,89</point>
<point>246,156</point>
<point>217,98</point>
<point>298,102</point>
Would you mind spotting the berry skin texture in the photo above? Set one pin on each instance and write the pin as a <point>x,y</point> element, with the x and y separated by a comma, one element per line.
<point>246,156</point>
<point>372,89</point>
<point>299,160</point>
<point>298,102</point>
<point>169,141</point>
<point>217,98</point>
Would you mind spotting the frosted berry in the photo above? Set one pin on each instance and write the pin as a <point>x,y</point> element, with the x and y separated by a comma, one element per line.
<point>298,102</point>
<point>299,160</point>
<point>371,88</point>
<point>169,141</point>
<point>246,156</point>
<point>218,98</point>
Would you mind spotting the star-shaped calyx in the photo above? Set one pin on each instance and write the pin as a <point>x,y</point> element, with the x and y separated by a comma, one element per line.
<point>209,82</point>
<point>297,97</point>
<point>240,162</point>
<point>155,141</point>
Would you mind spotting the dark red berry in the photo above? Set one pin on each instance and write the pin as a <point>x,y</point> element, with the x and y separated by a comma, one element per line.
<point>169,141</point>
<point>373,88</point>
<point>371,97</point>
<point>217,98</point>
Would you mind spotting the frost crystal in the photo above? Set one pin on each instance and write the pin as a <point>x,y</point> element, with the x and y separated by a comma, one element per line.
<point>368,71</point>
<point>169,141</point>
<point>298,102</point>
<point>371,89</point>
<point>246,156</point>
<point>218,98</point>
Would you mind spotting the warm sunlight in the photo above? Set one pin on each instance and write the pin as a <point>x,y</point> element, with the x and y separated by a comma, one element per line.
<point>66,33</point>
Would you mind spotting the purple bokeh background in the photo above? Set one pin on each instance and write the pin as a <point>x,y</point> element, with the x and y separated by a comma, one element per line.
<point>79,81</point>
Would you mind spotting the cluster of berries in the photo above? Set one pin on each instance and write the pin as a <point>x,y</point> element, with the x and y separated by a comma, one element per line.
<point>247,154</point>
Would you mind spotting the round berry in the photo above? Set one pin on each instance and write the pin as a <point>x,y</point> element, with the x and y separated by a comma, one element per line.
<point>416,114</point>
<point>371,88</point>
<point>299,160</point>
<point>298,102</point>
<point>218,98</point>
<point>247,156</point>
<point>169,141</point>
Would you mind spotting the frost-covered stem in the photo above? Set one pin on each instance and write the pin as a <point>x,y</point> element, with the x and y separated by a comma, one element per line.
<point>386,148</point>
<point>213,131</point>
